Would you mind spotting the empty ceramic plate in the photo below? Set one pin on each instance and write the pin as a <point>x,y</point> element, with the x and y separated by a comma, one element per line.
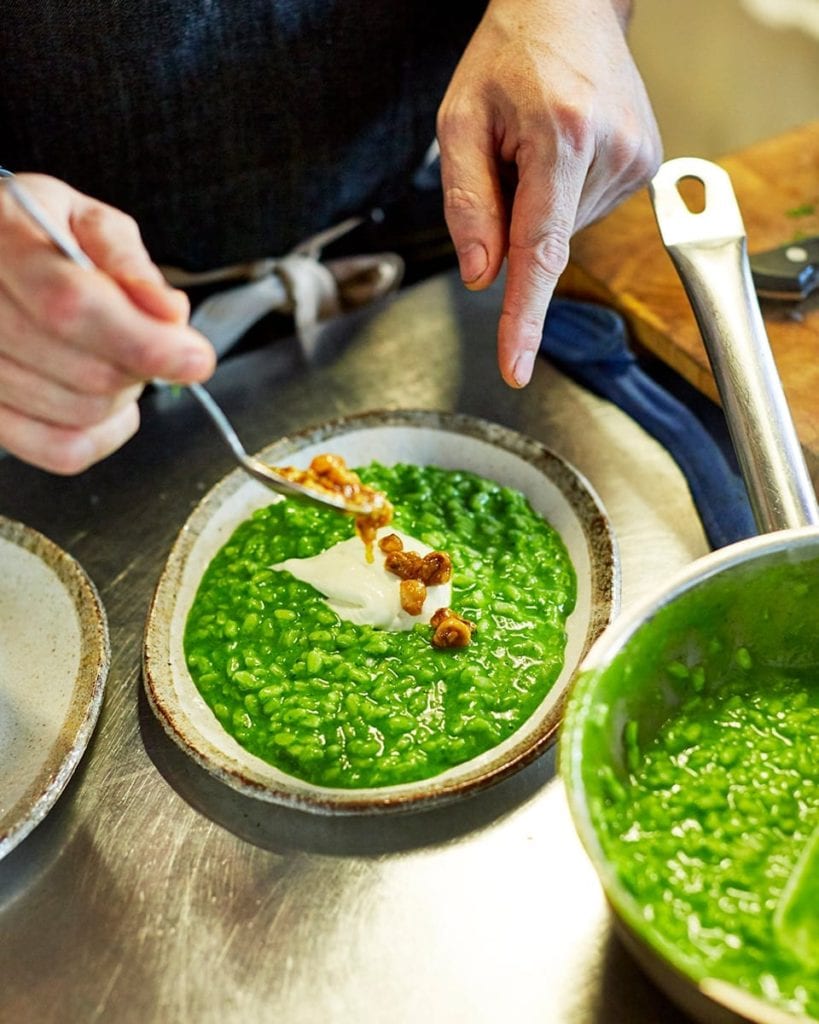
<point>54,657</point>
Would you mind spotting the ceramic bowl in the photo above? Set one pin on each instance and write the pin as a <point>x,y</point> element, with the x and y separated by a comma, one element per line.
<point>554,489</point>
<point>717,605</point>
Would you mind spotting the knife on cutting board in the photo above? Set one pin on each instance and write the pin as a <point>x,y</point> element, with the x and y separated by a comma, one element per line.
<point>789,272</point>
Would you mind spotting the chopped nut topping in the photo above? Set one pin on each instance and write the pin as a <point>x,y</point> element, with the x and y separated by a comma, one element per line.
<point>439,616</point>
<point>436,568</point>
<point>330,473</point>
<point>332,470</point>
<point>392,542</point>
<point>451,630</point>
<point>413,594</point>
<point>433,569</point>
<point>429,571</point>
<point>405,564</point>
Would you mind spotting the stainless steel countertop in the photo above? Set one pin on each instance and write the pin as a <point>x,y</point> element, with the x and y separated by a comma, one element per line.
<point>152,893</point>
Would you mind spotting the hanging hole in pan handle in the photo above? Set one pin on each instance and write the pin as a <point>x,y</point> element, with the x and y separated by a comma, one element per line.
<point>719,218</point>
<point>692,193</point>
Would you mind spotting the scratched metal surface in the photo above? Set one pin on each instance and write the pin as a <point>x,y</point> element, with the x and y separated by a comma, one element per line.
<point>152,893</point>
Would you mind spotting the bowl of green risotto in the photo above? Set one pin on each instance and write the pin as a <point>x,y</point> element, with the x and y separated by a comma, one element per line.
<point>304,663</point>
<point>689,755</point>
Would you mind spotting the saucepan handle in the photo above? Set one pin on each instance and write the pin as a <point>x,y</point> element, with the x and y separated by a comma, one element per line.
<point>709,250</point>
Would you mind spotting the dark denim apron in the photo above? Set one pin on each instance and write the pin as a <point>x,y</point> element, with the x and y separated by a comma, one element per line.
<point>231,129</point>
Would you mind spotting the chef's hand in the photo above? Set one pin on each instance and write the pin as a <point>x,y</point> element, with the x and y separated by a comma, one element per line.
<point>77,345</point>
<point>545,127</point>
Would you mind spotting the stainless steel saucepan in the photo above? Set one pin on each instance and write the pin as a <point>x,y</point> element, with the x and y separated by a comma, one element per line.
<point>762,593</point>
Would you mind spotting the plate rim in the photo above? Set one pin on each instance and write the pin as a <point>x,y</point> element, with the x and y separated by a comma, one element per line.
<point>89,684</point>
<point>602,551</point>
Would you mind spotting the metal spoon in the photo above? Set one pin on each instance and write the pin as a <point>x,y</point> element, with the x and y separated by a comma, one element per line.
<point>268,475</point>
<point>795,921</point>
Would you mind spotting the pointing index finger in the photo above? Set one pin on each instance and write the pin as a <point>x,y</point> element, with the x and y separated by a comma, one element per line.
<point>543,216</point>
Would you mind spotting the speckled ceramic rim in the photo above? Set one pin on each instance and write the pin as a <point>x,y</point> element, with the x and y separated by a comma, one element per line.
<point>89,686</point>
<point>251,776</point>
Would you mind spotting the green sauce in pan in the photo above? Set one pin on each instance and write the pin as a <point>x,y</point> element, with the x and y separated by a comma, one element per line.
<point>350,706</point>
<point>713,816</point>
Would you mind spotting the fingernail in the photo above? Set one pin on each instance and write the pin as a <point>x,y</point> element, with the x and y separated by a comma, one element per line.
<point>524,364</point>
<point>473,261</point>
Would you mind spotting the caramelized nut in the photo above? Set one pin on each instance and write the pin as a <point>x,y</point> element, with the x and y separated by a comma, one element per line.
<point>451,630</point>
<point>330,473</point>
<point>439,616</point>
<point>436,568</point>
<point>452,633</point>
<point>405,564</point>
<point>332,466</point>
<point>392,542</point>
<point>413,594</point>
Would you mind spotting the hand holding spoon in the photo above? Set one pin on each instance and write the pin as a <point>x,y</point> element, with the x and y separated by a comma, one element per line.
<point>353,498</point>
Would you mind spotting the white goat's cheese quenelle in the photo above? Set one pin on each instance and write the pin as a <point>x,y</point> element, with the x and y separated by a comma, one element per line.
<point>363,592</point>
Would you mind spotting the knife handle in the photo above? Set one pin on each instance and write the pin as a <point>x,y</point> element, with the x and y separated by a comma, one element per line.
<point>790,271</point>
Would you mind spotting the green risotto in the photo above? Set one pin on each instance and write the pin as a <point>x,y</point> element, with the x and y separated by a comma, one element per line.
<point>713,818</point>
<point>343,705</point>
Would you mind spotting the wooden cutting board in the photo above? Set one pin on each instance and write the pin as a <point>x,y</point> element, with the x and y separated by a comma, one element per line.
<point>621,261</point>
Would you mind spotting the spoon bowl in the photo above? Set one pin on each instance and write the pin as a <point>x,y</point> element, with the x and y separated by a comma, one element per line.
<point>273,477</point>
